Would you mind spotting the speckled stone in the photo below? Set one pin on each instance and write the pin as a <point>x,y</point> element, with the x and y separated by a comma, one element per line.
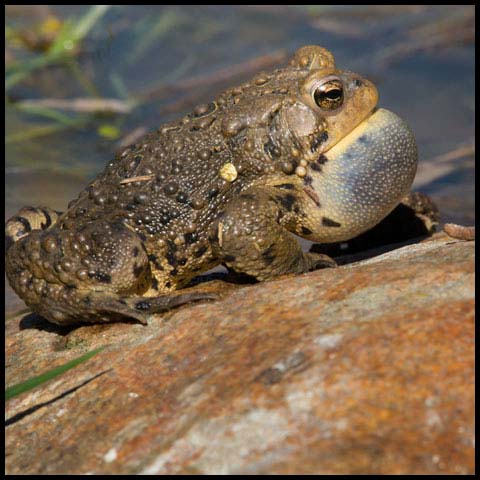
<point>363,369</point>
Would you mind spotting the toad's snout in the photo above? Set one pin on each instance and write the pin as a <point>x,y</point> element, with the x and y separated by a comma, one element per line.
<point>364,176</point>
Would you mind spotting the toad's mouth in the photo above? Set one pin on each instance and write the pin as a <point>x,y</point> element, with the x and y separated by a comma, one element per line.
<point>321,143</point>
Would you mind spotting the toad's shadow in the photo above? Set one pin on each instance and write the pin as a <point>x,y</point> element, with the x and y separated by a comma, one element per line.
<point>36,322</point>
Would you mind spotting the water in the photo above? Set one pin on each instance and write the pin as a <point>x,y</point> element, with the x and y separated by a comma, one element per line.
<point>170,58</point>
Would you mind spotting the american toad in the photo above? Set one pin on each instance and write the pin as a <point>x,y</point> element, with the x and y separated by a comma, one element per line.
<point>301,150</point>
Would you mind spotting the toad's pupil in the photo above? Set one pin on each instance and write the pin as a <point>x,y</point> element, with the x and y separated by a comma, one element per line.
<point>333,94</point>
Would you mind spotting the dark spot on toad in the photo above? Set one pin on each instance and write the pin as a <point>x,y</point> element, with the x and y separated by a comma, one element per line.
<point>200,251</point>
<point>319,140</point>
<point>164,219</point>
<point>307,180</point>
<point>213,192</point>
<point>287,201</point>
<point>100,276</point>
<point>268,255</point>
<point>48,219</point>
<point>153,258</point>
<point>143,305</point>
<point>25,223</point>
<point>322,159</point>
<point>137,270</point>
<point>182,197</point>
<point>170,254</point>
<point>328,222</point>
<point>190,238</point>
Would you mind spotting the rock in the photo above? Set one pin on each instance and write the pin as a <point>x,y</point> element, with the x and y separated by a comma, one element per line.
<point>363,369</point>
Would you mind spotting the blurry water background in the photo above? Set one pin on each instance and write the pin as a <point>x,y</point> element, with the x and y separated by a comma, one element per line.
<point>81,81</point>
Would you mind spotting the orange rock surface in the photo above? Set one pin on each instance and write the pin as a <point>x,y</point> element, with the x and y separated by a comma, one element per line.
<point>363,369</point>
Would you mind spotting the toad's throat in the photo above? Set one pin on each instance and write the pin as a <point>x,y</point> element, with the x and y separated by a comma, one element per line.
<point>365,175</point>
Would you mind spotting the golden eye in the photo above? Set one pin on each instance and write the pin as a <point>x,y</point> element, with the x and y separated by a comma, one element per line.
<point>329,94</point>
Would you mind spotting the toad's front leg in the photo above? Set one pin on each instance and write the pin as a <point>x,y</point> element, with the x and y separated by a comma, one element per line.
<point>253,236</point>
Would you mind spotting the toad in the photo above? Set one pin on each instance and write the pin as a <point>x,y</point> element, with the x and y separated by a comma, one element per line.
<point>303,150</point>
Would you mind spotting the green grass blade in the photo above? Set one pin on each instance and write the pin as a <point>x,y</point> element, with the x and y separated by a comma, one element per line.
<point>34,382</point>
<point>74,33</point>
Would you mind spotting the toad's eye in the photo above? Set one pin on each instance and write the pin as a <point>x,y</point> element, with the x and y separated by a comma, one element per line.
<point>328,95</point>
